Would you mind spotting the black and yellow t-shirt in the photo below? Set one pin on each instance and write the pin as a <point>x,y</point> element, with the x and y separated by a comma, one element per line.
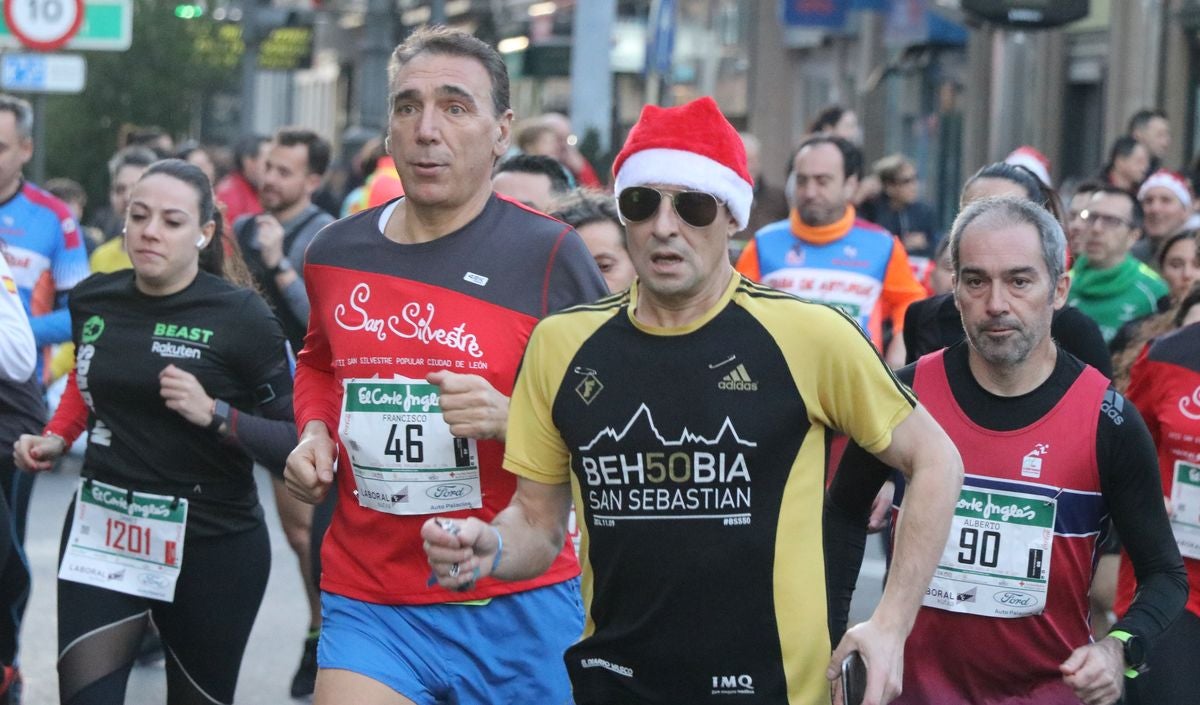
<point>696,457</point>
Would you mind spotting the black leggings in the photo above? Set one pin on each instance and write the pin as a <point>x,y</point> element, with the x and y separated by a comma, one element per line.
<point>14,587</point>
<point>204,631</point>
<point>1173,659</point>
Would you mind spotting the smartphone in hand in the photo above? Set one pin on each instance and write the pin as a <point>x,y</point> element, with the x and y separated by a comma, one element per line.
<point>854,679</point>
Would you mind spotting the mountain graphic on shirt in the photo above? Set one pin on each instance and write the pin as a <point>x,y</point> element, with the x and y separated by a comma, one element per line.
<point>643,419</point>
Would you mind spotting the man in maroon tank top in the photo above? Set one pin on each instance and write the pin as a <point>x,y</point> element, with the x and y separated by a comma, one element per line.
<point>1050,454</point>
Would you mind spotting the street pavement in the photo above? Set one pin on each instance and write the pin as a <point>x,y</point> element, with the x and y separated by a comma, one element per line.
<point>276,641</point>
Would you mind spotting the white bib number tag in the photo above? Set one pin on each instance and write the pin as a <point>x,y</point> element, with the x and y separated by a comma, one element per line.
<point>997,559</point>
<point>404,458</point>
<point>1185,505</point>
<point>126,541</point>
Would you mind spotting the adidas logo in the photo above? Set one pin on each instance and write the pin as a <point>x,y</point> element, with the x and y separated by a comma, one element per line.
<point>738,380</point>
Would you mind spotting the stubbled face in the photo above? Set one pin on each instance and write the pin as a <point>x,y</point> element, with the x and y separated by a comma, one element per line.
<point>443,133</point>
<point>677,262</point>
<point>163,232</point>
<point>286,180</point>
<point>822,189</point>
<point>1004,292</point>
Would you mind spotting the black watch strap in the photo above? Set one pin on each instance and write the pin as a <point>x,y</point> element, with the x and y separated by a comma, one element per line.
<point>220,415</point>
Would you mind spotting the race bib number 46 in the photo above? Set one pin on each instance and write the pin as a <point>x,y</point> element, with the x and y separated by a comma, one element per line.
<point>1185,505</point>
<point>126,541</point>
<point>404,458</point>
<point>997,560</point>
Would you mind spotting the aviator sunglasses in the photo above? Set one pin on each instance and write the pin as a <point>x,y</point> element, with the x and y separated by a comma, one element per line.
<point>696,208</point>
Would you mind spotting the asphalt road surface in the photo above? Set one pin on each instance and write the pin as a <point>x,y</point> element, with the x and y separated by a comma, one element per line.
<point>276,641</point>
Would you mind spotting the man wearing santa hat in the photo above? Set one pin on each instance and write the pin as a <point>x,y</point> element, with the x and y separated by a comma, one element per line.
<point>1166,206</point>
<point>688,419</point>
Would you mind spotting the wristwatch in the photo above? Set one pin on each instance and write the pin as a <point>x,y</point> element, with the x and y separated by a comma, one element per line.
<point>220,415</point>
<point>1134,648</point>
<point>283,265</point>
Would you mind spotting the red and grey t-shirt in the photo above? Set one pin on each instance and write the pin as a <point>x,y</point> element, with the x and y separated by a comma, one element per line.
<point>465,302</point>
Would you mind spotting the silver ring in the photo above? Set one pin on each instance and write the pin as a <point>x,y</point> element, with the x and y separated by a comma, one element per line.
<point>453,570</point>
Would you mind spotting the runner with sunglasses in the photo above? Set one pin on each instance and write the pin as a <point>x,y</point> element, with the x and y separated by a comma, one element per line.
<point>688,419</point>
<point>824,252</point>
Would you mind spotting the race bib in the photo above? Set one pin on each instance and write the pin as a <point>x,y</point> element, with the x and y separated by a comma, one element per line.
<point>997,560</point>
<point>1185,505</point>
<point>404,459</point>
<point>126,541</point>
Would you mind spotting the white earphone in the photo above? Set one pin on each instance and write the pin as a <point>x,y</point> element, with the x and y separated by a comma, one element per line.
<point>201,242</point>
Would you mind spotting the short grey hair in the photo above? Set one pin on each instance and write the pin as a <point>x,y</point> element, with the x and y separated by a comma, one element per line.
<point>1009,211</point>
<point>22,113</point>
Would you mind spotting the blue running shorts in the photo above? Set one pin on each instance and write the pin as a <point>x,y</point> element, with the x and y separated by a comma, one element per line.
<point>509,650</point>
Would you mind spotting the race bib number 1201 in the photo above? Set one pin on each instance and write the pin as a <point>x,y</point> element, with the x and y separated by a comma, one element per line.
<point>126,541</point>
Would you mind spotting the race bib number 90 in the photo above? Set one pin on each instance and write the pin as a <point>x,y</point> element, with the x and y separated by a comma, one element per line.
<point>126,541</point>
<point>1185,506</point>
<point>996,562</point>
<point>404,458</point>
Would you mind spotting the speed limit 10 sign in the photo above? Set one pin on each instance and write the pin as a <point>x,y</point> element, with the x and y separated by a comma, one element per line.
<point>44,25</point>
